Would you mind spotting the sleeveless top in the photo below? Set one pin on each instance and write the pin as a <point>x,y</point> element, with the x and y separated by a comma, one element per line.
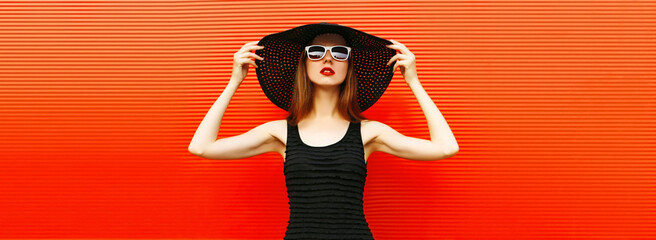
<point>325,185</point>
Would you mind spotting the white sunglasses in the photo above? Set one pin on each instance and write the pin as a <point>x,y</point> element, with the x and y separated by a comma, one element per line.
<point>317,52</point>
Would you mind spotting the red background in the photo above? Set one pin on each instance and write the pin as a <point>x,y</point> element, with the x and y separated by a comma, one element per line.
<point>552,104</point>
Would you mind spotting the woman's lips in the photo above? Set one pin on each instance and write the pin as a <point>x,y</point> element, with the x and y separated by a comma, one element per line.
<point>327,71</point>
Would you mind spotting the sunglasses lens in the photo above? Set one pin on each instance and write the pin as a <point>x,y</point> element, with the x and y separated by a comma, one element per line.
<point>340,53</point>
<point>316,52</point>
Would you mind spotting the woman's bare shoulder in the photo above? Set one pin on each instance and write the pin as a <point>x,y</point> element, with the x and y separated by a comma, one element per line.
<point>370,123</point>
<point>369,130</point>
<point>365,121</point>
<point>278,129</point>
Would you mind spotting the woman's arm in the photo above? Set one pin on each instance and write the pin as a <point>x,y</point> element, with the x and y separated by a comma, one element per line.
<point>440,132</point>
<point>208,129</point>
<point>442,144</point>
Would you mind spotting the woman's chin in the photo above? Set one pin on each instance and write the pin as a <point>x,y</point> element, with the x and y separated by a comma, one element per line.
<point>328,81</point>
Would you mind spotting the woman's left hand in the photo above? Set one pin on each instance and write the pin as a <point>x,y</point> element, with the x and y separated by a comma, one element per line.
<point>406,61</point>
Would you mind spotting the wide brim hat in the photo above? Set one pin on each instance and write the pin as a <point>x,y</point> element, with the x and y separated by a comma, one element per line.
<point>282,51</point>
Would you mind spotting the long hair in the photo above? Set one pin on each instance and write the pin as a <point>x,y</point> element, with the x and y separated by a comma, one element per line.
<point>302,98</point>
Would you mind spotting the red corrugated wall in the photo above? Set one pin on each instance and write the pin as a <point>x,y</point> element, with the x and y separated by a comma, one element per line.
<point>552,104</point>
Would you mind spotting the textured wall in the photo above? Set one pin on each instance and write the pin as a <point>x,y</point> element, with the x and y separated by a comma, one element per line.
<point>552,103</point>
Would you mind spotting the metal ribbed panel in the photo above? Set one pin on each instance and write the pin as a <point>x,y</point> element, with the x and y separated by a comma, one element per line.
<point>551,102</point>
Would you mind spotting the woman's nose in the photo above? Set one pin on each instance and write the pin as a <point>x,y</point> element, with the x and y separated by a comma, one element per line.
<point>328,55</point>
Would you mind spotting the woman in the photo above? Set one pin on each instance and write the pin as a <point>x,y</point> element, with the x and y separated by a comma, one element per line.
<point>324,164</point>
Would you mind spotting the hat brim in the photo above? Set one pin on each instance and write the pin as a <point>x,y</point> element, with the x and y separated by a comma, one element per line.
<point>282,51</point>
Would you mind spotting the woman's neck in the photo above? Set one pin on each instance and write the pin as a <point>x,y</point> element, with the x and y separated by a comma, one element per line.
<point>325,104</point>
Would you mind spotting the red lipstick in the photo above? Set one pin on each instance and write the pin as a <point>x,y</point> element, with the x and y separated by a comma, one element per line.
<point>327,71</point>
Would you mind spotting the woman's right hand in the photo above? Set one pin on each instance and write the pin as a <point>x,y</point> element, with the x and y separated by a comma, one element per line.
<point>242,60</point>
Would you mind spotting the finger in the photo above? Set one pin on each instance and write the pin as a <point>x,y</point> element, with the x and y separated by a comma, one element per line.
<point>253,55</point>
<point>399,64</point>
<point>249,47</point>
<point>247,55</point>
<point>398,57</point>
<point>399,46</point>
<point>242,62</point>
<point>397,43</point>
<point>252,62</point>
<point>393,59</point>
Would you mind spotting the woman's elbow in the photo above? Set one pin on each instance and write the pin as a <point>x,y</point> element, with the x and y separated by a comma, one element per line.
<point>195,151</point>
<point>453,152</point>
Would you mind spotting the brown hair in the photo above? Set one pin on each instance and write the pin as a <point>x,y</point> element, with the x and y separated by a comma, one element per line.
<point>302,98</point>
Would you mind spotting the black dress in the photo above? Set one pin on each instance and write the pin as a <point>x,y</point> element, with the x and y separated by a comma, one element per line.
<point>325,186</point>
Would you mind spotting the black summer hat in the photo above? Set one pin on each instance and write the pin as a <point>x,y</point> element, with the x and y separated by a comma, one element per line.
<point>282,51</point>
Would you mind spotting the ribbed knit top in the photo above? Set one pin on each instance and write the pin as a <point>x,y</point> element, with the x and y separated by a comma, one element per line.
<point>325,186</point>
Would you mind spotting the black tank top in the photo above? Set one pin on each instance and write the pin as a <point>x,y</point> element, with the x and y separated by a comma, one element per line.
<point>325,186</point>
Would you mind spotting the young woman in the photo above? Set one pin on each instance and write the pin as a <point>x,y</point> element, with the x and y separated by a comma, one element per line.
<point>324,142</point>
